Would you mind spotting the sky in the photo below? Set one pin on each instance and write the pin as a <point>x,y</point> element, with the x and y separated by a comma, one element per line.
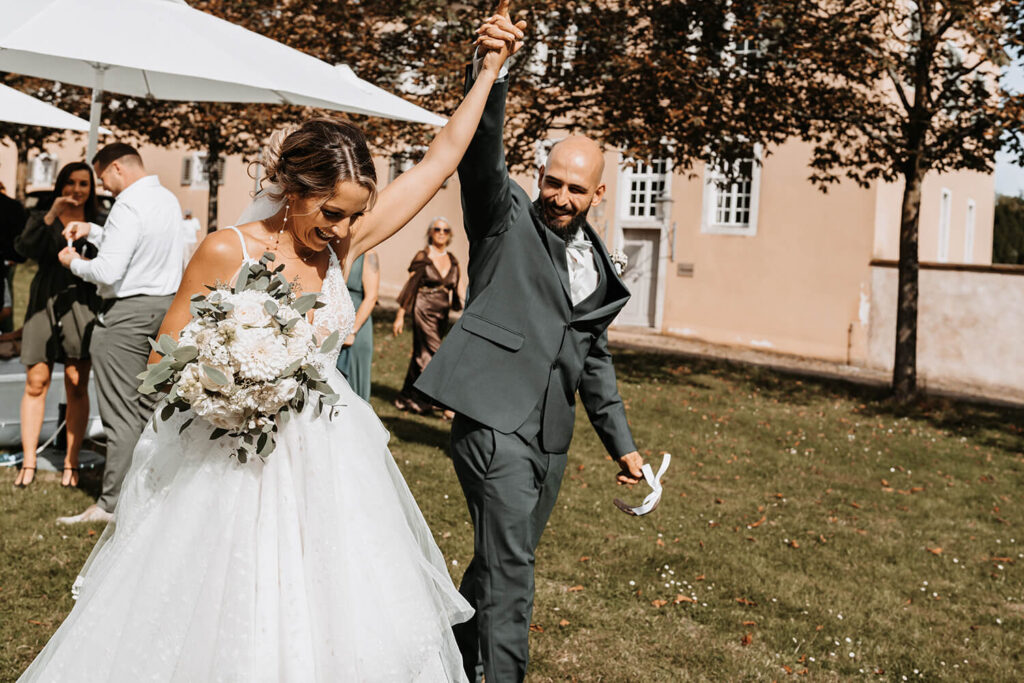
<point>1010,177</point>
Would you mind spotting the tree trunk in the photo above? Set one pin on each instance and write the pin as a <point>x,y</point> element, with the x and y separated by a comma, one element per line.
<point>904,374</point>
<point>21,174</point>
<point>213,179</point>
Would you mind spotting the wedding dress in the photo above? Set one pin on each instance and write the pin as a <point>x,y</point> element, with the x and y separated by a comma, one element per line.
<point>313,565</point>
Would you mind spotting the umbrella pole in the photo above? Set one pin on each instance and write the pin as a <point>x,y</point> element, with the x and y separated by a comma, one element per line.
<point>95,111</point>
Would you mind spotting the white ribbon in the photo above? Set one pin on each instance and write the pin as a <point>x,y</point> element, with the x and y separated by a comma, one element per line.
<point>654,481</point>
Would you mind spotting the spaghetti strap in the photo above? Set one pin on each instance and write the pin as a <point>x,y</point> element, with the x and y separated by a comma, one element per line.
<point>241,238</point>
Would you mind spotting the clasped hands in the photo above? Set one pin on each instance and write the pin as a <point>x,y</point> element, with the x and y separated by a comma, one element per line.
<point>498,38</point>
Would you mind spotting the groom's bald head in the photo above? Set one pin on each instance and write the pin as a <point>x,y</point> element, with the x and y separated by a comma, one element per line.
<point>570,183</point>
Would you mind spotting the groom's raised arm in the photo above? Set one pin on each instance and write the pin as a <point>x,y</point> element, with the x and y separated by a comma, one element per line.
<point>483,174</point>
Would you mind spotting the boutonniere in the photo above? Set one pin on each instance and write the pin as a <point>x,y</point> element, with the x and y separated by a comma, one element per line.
<point>619,261</point>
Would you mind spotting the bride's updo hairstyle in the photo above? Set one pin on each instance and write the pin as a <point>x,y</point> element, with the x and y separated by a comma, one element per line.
<point>310,161</point>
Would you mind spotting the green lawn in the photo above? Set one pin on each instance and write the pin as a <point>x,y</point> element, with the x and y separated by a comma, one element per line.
<point>808,528</point>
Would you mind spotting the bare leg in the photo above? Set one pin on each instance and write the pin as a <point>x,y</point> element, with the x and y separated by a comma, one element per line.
<point>33,406</point>
<point>76,386</point>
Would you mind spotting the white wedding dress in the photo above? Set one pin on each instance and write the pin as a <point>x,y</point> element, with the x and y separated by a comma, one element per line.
<point>315,565</point>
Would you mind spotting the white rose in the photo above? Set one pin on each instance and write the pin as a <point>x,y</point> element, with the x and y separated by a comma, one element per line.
<point>272,397</point>
<point>220,412</point>
<point>189,386</point>
<point>248,308</point>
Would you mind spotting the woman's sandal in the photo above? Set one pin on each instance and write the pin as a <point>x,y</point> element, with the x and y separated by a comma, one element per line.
<point>20,482</point>
<point>72,481</point>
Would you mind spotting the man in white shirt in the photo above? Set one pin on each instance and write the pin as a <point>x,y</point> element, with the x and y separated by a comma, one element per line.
<point>137,272</point>
<point>192,227</point>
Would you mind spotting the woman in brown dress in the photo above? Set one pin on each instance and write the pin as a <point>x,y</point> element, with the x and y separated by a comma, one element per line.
<point>431,292</point>
<point>59,319</point>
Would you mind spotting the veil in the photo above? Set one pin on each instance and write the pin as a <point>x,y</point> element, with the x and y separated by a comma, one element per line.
<point>263,205</point>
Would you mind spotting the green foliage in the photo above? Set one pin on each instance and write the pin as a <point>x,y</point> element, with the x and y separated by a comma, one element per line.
<point>1008,237</point>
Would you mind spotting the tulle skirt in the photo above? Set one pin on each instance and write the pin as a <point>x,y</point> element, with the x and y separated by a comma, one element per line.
<point>315,565</point>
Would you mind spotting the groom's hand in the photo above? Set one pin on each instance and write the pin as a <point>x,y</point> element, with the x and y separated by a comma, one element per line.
<point>631,465</point>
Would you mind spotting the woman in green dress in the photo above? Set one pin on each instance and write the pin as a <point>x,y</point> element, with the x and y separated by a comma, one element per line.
<point>356,355</point>
<point>59,320</point>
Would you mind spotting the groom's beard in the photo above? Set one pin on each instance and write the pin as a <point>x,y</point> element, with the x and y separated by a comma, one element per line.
<point>566,231</point>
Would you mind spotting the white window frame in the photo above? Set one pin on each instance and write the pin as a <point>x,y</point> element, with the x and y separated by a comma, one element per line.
<point>709,214</point>
<point>43,170</point>
<point>632,172</point>
<point>193,171</point>
<point>945,219</point>
<point>969,225</point>
<point>400,162</point>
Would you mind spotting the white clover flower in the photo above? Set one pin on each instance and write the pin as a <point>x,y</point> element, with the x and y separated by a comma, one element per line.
<point>248,308</point>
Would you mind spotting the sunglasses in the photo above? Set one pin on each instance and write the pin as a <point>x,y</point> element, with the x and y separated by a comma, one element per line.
<point>443,230</point>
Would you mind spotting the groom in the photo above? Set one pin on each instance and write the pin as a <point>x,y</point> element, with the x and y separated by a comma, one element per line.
<point>543,292</point>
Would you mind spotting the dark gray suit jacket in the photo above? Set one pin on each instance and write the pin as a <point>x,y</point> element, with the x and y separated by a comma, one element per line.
<point>520,347</point>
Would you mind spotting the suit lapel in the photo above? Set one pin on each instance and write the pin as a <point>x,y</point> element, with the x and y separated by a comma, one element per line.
<point>616,294</point>
<point>556,251</point>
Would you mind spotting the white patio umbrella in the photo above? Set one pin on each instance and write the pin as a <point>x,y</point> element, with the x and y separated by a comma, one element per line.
<point>167,50</point>
<point>19,107</point>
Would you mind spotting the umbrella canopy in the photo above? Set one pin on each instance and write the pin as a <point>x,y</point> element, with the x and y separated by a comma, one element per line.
<point>167,50</point>
<point>17,107</point>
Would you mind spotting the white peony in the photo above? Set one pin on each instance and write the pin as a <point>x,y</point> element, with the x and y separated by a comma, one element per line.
<point>248,308</point>
<point>261,354</point>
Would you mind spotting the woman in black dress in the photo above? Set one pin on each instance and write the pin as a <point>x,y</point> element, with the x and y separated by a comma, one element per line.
<point>430,293</point>
<point>59,320</point>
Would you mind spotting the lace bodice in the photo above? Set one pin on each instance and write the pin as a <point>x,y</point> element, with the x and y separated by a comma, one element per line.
<point>337,314</point>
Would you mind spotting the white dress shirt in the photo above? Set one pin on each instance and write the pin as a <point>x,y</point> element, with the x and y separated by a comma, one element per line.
<point>140,246</point>
<point>583,274</point>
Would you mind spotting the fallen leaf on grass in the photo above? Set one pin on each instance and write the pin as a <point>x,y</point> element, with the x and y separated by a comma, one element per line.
<point>659,603</point>
<point>699,578</point>
<point>585,558</point>
<point>748,603</point>
<point>747,639</point>
<point>660,542</point>
<point>934,551</point>
<point>536,628</point>
<point>36,623</point>
<point>682,598</point>
<point>749,623</point>
<point>787,669</point>
<point>575,589</point>
<point>91,532</point>
<point>563,623</point>
<point>854,505</point>
<point>758,522</point>
<point>794,544</point>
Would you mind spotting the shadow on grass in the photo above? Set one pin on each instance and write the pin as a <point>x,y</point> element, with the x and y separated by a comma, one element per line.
<point>993,425</point>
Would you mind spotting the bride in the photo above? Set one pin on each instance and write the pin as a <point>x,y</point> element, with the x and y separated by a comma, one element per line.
<point>315,564</point>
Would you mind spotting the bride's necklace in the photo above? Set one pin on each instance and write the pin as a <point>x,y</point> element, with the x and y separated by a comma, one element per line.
<point>277,240</point>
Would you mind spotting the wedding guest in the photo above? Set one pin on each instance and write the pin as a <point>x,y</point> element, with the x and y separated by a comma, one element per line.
<point>429,294</point>
<point>356,355</point>
<point>12,222</point>
<point>59,320</point>
<point>193,234</point>
<point>137,281</point>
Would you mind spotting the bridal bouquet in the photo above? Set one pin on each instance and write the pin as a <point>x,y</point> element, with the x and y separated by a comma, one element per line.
<point>245,361</point>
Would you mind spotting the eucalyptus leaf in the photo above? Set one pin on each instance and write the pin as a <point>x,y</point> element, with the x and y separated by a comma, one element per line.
<point>217,433</point>
<point>330,399</point>
<point>186,354</point>
<point>270,307</point>
<point>167,345</point>
<point>167,413</point>
<point>215,375</point>
<point>305,302</point>
<point>330,342</point>
<point>185,425</point>
<point>243,277</point>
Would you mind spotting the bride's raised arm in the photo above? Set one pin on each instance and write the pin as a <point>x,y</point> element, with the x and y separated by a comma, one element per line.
<point>402,199</point>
